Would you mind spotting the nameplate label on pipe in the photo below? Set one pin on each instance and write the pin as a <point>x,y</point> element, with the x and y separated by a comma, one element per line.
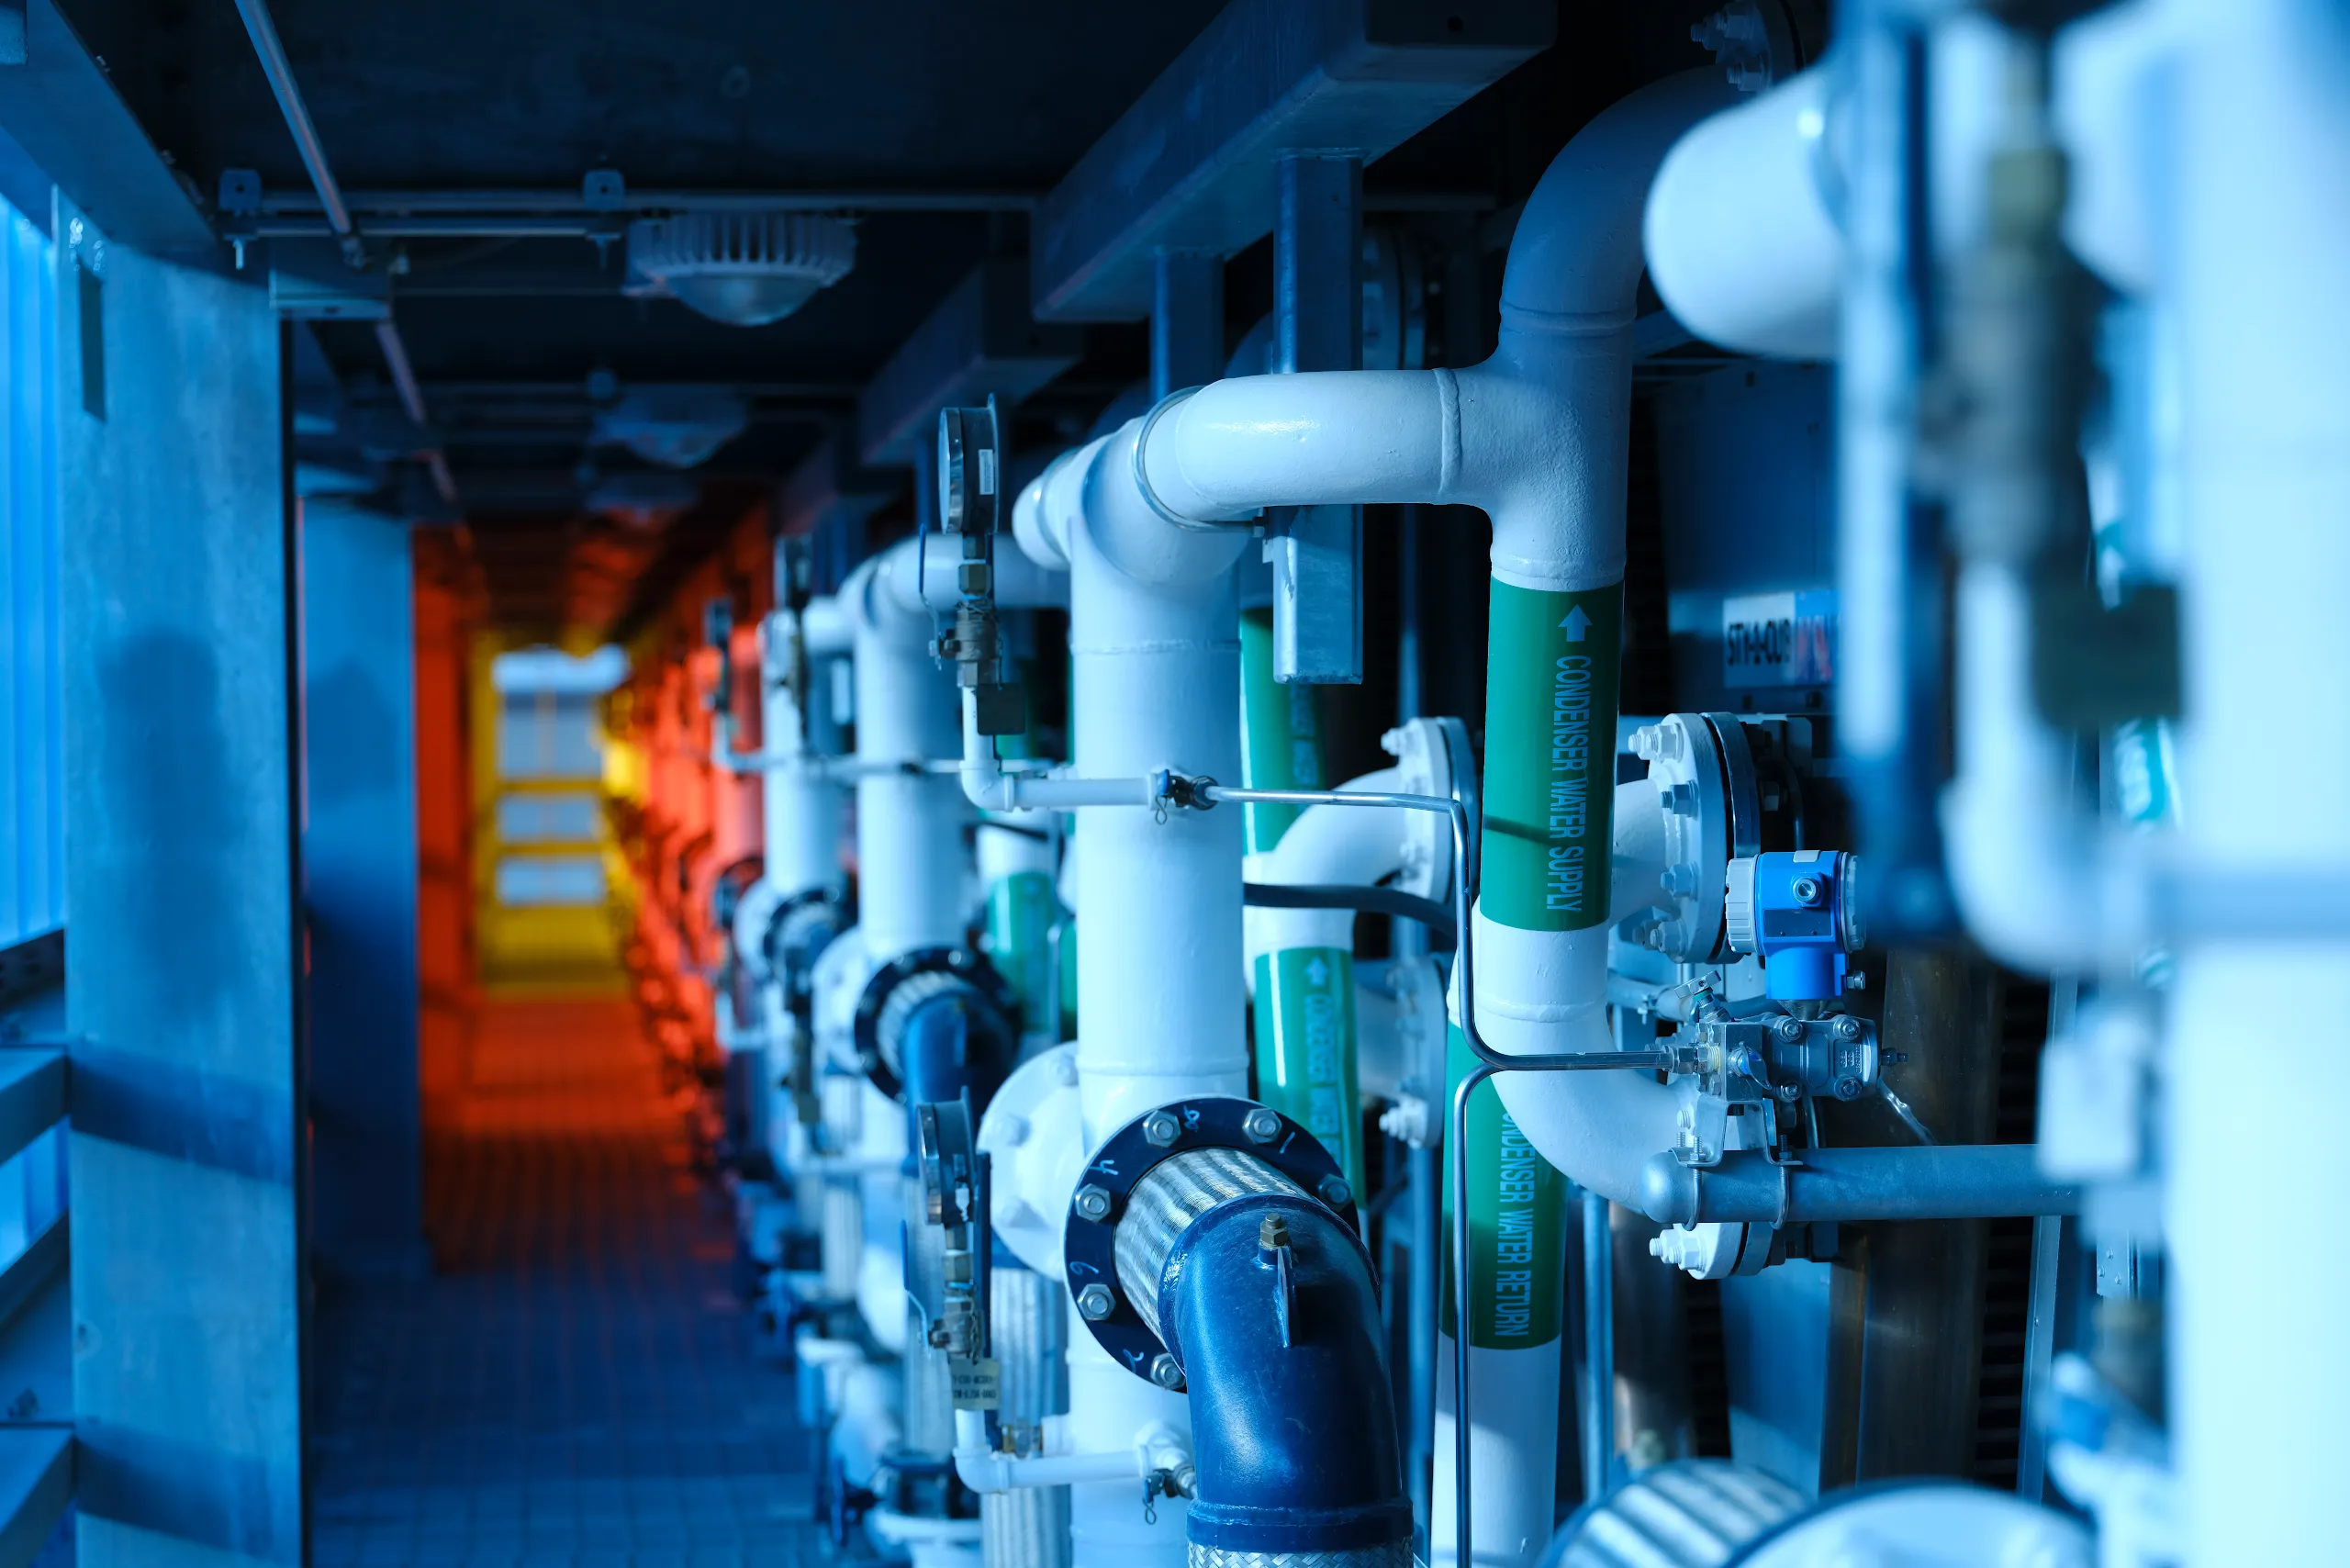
<point>978,1385</point>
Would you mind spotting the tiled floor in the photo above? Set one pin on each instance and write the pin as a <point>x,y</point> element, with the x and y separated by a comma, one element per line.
<point>576,1385</point>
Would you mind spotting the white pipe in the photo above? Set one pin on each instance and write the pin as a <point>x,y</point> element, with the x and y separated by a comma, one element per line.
<point>2256,253</point>
<point>2027,867</point>
<point>1154,636</point>
<point>1326,845</point>
<point>1743,236</point>
<point>827,626</point>
<point>908,826</point>
<point>1107,1406</point>
<point>804,815</point>
<point>1156,1447</point>
<point>1154,640</point>
<point>989,786</point>
<point>1598,1128</point>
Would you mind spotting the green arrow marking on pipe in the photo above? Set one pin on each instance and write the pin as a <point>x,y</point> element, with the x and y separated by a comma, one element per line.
<point>1551,702</point>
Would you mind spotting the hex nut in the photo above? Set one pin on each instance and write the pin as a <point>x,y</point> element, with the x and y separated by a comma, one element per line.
<point>1848,1027</point>
<point>1096,1302</point>
<point>1334,1191</point>
<point>1167,1373</point>
<point>1161,1128</point>
<point>1789,1029</point>
<point>1261,1124</point>
<point>1093,1202</point>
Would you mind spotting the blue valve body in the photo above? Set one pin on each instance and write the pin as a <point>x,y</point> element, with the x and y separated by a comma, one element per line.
<point>1802,926</point>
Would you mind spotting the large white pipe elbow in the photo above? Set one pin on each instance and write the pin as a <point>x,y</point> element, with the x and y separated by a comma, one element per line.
<point>2023,861</point>
<point>1320,438</point>
<point>1599,1129</point>
<point>1329,845</point>
<point>1740,243</point>
<point>910,858</point>
<point>1741,231</point>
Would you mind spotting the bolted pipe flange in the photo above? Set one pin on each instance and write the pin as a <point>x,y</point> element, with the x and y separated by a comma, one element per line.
<point>1165,1373</point>
<point>1101,1208</point>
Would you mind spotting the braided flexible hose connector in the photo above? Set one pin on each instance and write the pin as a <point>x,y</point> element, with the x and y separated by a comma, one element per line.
<point>1264,1297</point>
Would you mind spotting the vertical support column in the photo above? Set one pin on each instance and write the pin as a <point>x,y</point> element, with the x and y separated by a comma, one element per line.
<point>181,735</point>
<point>1186,320</point>
<point>359,871</point>
<point>1317,324</point>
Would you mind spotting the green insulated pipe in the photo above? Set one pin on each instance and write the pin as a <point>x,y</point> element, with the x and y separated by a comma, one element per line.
<point>1022,908</point>
<point>1517,1263</point>
<point>1305,1005</point>
<point>1551,702</point>
<point>1305,1047</point>
<point>1517,1241</point>
<point>1281,733</point>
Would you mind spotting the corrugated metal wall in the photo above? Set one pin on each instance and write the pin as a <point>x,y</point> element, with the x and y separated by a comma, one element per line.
<point>32,817</point>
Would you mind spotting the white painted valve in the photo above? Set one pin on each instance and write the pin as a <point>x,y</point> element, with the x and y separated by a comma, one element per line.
<point>1714,1251</point>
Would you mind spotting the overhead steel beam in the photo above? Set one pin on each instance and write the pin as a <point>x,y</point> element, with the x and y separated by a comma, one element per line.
<point>981,341</point>
<point>1191,166</point>
<point>61,109</point>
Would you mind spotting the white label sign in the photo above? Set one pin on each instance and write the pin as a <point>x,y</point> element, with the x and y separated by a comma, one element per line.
<point>1779,639</point>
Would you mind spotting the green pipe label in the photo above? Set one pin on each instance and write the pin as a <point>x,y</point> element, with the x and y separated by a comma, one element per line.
<point>1305,1047</point>
<point>1281,731</point>
<point>1517,1239</point>
<point>1551,702</point>
<point>1022,908</point>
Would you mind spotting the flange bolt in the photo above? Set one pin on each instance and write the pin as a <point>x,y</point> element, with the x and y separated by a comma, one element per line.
<point>1161,1128</point>
<point>1848,1027</point>
<point>1789,1028</point>
<point>1261,1124</point>
<point>1334,1191</point>
<point>1096,1302</point>
<point>1093,1202</point>
<point>1166,1374</point>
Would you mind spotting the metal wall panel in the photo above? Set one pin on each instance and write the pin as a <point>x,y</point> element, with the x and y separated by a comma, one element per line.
<point>359,866</point>
<point>181,868</point>
<point>32,817</point>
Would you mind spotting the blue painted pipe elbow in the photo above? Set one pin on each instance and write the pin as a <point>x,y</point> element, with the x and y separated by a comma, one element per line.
<point>1293,1424</point>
